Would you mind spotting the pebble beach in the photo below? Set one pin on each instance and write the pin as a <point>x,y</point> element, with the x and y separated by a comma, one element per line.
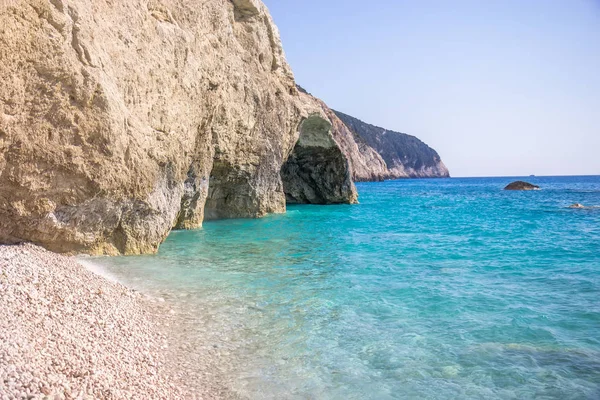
<point>67,333</point>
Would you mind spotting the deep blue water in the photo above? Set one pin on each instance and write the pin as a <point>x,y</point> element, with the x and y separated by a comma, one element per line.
<point>428,289</point>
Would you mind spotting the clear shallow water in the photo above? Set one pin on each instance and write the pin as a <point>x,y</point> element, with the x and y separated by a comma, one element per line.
<point>429,289</point>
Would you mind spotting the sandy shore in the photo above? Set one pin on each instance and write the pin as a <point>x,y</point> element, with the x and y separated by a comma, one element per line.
<point>67,333</point>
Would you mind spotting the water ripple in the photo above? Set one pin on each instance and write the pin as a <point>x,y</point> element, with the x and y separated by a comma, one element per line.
<point>429,289</point>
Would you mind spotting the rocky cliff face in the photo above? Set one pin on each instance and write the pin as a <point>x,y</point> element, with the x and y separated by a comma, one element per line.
<point>120,120</point>
<point>405,156</point>
<point>365,163</point>
<point>374,153</point>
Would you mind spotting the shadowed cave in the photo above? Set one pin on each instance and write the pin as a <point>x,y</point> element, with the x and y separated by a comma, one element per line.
<point>316,171</point>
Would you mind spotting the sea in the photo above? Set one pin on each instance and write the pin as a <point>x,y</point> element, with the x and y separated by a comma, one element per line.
<point>427,289</point>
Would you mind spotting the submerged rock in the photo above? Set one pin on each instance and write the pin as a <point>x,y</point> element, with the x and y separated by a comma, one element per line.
<point>521,185</point>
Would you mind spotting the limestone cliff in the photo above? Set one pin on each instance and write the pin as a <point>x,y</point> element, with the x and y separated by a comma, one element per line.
<point>375,154</point>
<point>405,156</point>
<point>365,163</point>
<point>120,120</point>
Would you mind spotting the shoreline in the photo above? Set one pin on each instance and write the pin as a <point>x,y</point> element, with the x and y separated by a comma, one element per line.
<point>68,331</point>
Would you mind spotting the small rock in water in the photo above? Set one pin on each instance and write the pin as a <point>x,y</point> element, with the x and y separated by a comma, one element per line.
<point>521,185</point>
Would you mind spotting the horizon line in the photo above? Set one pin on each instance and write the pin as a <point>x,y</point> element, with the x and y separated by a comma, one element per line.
<point>523,176</point>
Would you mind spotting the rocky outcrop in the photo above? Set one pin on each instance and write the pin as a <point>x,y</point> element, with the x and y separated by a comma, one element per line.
<point>122,120</point>
<point>521,185</point>
<point>405,156</point>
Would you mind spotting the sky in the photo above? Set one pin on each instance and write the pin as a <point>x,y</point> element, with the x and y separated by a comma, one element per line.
<point>498,88</point>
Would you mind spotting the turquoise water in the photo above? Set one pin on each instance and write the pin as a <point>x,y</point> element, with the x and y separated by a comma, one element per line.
<point>429,289</point>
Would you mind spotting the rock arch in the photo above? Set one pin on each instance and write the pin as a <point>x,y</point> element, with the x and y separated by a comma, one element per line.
<point>317,171</point>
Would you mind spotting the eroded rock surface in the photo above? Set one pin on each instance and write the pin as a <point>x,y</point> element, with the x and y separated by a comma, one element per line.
<point>121,120</point>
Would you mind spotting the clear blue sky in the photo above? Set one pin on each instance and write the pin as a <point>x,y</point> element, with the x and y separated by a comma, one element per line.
<point>497,87</point>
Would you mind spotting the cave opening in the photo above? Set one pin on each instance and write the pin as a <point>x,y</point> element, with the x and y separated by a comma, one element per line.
<point>317,171</point>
